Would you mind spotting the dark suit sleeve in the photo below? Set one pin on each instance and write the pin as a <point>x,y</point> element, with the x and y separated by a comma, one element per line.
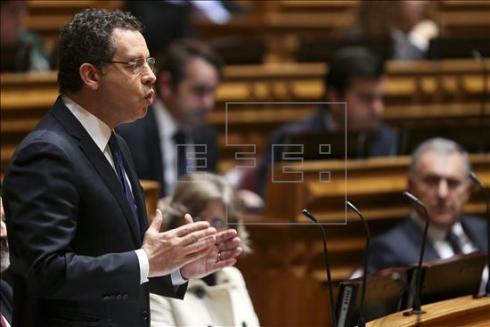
<point>381,256</point>
<point>42,197</point>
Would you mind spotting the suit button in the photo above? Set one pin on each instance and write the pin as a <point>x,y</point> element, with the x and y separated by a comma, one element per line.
<point>119,297</point>
<point>144,314</point>
<point>125,296</point>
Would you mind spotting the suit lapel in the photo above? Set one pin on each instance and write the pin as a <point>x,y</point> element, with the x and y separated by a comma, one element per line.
<point>475,233</point>
<point>416,233</point>
<point>99,161</point>
<point>136,188</point>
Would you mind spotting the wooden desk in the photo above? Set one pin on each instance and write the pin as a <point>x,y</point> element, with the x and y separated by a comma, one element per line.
<point>461,312</point>
<point>152,195</point>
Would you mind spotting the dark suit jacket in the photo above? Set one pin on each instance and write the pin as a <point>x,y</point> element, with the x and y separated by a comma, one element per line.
<point>400,247</point>
<point>72,234</point>
<point>6,300</point>
<point>143,139</point>
<point>384,143</point>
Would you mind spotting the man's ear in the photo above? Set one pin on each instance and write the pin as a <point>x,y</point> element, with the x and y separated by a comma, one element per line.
<point>90,76</point>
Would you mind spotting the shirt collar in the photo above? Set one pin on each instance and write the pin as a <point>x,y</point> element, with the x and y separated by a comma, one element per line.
<point>96,128</point>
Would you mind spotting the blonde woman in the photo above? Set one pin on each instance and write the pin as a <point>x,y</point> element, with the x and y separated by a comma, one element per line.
<point>220,299</point>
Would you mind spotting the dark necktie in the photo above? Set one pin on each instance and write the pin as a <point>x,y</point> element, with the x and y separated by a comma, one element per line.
<point>453,241</point>
<point>180,144</point>
<point>119,165</point>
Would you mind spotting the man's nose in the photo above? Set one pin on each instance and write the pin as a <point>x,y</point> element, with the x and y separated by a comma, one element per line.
<point>442,189</point>
<point>149,77</point>
<point>377,106</point>
<point>208,102</point>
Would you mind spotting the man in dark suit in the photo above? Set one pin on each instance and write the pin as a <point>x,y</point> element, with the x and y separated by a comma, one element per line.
<point>81,249</point>
<point>355,85</point>
<point>439,177</point>
<point>173,138</point>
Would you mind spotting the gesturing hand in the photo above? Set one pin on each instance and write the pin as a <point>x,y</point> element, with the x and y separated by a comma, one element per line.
<point>170,250</point>
<point>222,255</point>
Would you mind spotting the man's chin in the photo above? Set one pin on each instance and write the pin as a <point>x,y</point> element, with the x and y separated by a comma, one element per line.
<point>442,220</point>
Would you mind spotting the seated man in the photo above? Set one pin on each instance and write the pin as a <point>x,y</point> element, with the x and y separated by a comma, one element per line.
<point>439,177</point>
<point>357,78</point>
<point>22,50</point>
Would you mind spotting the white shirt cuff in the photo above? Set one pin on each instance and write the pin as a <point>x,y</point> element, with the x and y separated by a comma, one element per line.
<point>177,278</point>
<point>144,265</point>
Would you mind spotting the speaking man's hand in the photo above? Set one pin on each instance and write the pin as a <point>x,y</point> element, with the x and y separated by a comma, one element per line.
<point>173,249</point>
<point>223,254</point>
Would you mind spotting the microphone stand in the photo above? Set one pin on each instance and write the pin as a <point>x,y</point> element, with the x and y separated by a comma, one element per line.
<point>308,215</point>
<point>362,322</point>
<point>416,309</point>
<point>486,195</point>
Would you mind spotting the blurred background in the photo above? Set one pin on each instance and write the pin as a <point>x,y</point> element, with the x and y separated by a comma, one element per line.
<point>278,51</point>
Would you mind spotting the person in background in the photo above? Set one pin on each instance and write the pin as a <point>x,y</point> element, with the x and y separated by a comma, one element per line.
<point>5,289</point>
<point>22,51</point>
<point>356,77</point>
<point>403,24</point>
<point>439,177</point>
<point>167,21</point>
<point>221,298</point>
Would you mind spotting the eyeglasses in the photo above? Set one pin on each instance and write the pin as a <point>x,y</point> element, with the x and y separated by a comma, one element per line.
<point>137,65</point>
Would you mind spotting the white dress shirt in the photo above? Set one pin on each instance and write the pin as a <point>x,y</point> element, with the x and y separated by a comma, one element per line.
<point>438,237</point>
<point>167,127</point>
<point>100,134</point>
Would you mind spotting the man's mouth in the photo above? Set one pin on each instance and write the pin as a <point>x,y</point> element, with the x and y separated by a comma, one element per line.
<point>149,97</point>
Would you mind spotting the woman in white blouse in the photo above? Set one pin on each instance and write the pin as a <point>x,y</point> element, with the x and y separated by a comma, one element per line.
<point>220,299</point>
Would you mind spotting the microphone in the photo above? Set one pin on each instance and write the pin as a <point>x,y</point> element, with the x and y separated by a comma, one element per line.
<point>362,322</point>
<point>486,195</point>
<point>308,215</point>
<point>478,56</point>
<point>416,309</point>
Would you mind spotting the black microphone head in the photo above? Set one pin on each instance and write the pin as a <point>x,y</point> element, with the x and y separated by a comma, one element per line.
<point>308,215</point>
<point>412,198</point>
<point>476,54</point>
<point>353,207</point>
<point>475,179</point>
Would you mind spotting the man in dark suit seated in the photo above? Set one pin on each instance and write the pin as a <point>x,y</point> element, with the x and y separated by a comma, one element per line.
<point>81,250</point>
<point>355,85</point>
<point>173,138</point>
<point>439,177</point>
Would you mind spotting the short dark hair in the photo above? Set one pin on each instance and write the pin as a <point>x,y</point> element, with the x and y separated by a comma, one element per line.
<point>349,63</point>
<point>180,53</point>
<point>87,39</point>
